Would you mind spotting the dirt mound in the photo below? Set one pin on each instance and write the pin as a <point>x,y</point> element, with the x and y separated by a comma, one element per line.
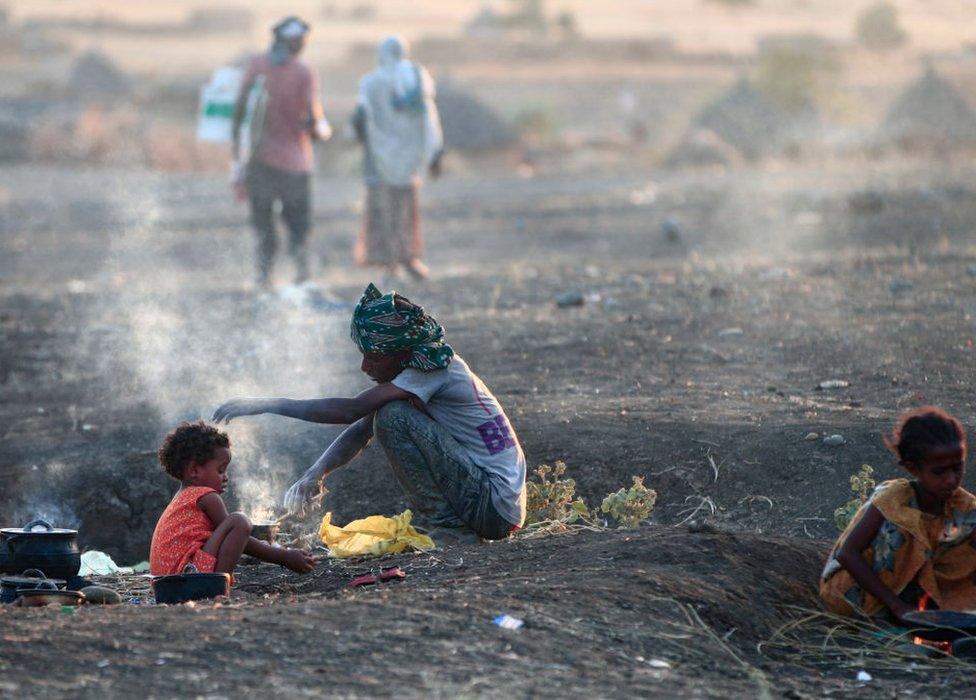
<point>930,113</point>
<point>620,613</point>
<point>702,148</point>
<point>745,119</point>
<point>469,124</point>
<point>95,76</point>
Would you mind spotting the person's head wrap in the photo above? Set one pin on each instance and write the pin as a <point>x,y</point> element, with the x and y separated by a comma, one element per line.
<point>287,35</point>
<point>391,51</point>
<point>390,323</point>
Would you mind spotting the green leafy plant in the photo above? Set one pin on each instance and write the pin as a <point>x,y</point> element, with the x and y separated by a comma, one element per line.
<point>553,498</point>
<point>862,484</point>
<point>630,507</point>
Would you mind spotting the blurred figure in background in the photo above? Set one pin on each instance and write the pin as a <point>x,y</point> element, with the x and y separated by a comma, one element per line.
<point>279,163</point>
<point>397,122</point>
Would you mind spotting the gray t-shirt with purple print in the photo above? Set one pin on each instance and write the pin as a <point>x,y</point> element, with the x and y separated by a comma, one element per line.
<point>457,399</point>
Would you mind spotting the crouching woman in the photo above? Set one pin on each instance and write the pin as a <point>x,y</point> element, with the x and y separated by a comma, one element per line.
<point>449,443</point>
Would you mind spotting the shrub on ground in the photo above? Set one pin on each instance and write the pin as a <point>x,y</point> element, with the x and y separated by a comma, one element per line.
<point>862,484</point>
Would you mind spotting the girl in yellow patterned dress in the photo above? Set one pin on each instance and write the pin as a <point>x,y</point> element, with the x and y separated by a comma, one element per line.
<point>913,539</point>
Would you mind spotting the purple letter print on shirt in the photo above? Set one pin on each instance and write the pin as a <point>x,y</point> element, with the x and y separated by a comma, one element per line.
<point>497,434</point>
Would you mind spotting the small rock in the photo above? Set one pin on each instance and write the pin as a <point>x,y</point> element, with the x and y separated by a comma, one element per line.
<point>809,437</point>
<point>775,273</point>
<point>834,384</point>
<point>573,297</point>
<point>834,440</point>
<point>100,595</point>
<point>866,202</point>
<point>863,677</point>
<point>701,527</point>
<point>900,286</point>
<point>671,230</point>
<point>717,292</point>
<point>730,332</point>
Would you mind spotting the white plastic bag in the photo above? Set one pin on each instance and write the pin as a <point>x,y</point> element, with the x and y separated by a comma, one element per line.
<point>218,99</point>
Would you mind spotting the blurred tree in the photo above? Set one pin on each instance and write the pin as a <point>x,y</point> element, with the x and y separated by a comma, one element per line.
<point>878,28</point>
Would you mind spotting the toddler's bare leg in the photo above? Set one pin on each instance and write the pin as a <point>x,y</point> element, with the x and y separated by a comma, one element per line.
<point>228,541</point>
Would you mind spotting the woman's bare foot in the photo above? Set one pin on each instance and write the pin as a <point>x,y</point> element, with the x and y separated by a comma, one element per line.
<point>417,269</point>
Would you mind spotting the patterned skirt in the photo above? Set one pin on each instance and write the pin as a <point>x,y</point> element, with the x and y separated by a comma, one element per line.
<point>391,226</point>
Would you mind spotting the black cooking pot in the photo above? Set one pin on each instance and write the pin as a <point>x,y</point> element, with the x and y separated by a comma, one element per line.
<point>37,545</point>
<point>180,588</point>
<point>32,579</point>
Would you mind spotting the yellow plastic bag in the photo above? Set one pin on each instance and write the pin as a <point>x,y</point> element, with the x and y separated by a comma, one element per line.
<point>373,536</point>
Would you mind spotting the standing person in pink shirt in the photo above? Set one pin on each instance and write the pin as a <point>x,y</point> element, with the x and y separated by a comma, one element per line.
<point>280,165</point>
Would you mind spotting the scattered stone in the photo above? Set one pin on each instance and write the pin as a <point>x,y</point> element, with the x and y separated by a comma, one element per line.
<point>971,270</point>
<point>900,286</point>
<point>809,437</point>
<point>834,384</point>
<point>702,527</point>
<point>671,230</point>
<point>573,297</point>
<point>835,440</point>
<point>865,202</point>
<point>775,273</point>
<point>100,595</point>
<point>730,332</point>
<point>717,292</point>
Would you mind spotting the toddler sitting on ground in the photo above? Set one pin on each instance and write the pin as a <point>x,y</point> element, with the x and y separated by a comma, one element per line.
<point>196,530</point>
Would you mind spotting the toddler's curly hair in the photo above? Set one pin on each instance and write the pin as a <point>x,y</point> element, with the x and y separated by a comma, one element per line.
<point>190,442</point>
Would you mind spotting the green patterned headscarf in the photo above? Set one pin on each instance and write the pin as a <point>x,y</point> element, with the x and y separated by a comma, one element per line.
<point>379,326</point>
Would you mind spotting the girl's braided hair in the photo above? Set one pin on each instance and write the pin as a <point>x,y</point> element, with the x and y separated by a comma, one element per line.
<point>920,432</point>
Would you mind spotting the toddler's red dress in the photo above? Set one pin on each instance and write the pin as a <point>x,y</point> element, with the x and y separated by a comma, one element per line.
<point>180,534</point>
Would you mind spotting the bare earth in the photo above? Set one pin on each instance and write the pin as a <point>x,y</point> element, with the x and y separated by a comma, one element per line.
<point>693,362</point>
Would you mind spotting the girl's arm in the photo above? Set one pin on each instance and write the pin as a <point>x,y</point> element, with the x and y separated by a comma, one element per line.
<point>850,555</point>
<point>341,411</point>
<point>213,507</point>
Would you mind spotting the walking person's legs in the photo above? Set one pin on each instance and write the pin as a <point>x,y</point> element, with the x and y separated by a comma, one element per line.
<point>405,226</point>
<point>262,198</point>
<point>296,210</point>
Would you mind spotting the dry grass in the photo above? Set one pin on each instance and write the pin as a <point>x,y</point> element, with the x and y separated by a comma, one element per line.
<point>827,642</point>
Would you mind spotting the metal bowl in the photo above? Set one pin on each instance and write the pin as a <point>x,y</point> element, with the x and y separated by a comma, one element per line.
<point>941,625</point>
<point>265,530</point>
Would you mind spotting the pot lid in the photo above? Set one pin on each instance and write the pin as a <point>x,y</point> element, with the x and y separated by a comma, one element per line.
<point>38,528</point>
<point>37,533</point>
